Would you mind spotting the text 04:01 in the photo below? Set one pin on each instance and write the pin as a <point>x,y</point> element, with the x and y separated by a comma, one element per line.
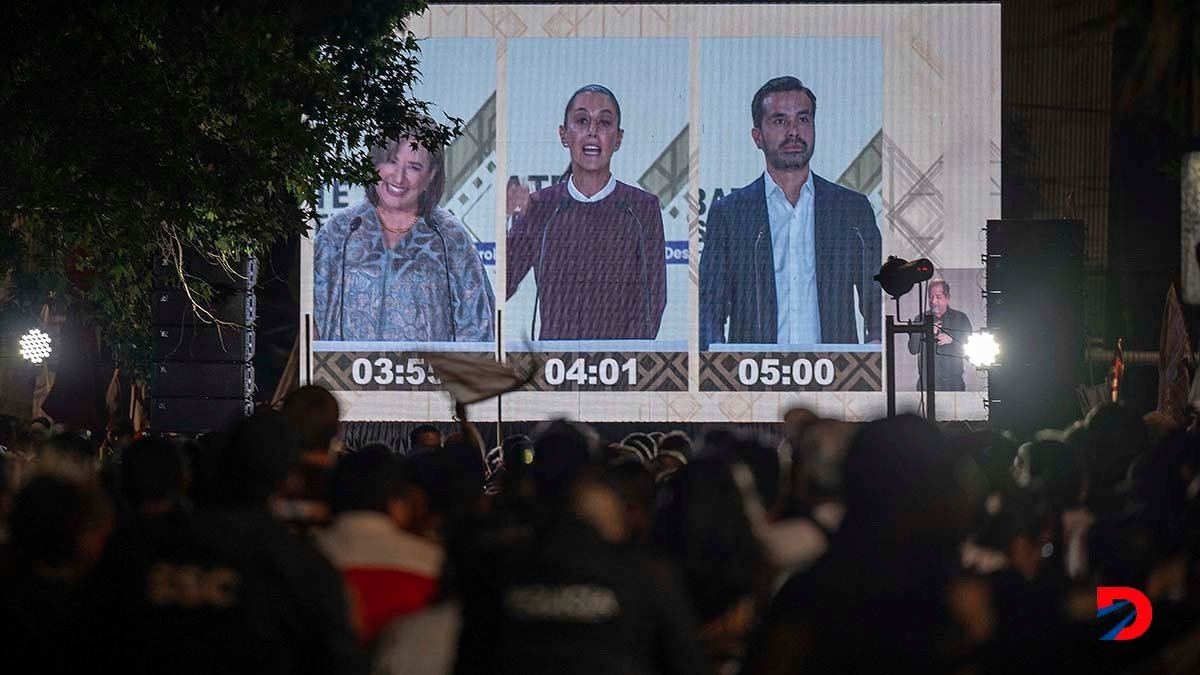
<point>772,373</point>
<point>385,371</point>
<point>606,372</point>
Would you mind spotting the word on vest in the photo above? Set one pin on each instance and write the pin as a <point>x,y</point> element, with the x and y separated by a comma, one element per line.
<point>575,603</point>
<point>192,586</point>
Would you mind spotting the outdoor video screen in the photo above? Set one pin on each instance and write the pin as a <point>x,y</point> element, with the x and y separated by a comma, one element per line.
<point>669,213</point>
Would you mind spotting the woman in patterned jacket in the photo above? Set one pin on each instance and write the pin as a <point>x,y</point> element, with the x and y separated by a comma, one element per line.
<point>398,267</point>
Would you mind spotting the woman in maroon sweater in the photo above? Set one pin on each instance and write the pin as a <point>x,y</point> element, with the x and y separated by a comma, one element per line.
<point>595,245</point>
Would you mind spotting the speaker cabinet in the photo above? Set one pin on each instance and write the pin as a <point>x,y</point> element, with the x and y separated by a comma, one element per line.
<point>202,378</point>
<point>174,308</point>
<point>200,342</point>
<point>194,415</point>
<point>1035,309</point>
<point>241,275</point>
<point>219,380</point>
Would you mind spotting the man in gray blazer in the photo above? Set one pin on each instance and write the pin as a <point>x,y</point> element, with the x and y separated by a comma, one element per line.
<point>782,256</point>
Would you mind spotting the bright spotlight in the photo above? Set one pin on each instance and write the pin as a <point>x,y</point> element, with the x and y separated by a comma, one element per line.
<point>35,346</point>
<point>981,349</point>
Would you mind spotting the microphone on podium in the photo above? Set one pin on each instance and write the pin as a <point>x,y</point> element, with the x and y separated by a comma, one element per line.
<point>354,225</point>
<point>559,208</point>
<point>641,230</point>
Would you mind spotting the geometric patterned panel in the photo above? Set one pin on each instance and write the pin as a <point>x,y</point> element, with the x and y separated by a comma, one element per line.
<point>470,150</point>
<point>913,205</point>
<point>382,371</point>
<point>463,202</point>
<point>668,174</point>
<point>655,371</point>
<point>994,163</point>
<point>852,371</point>
<point>865,173</point>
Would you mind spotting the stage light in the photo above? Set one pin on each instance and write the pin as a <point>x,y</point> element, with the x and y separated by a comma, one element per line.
<point>981,350</point>
<point>35,346</point>
<point>897,276</point>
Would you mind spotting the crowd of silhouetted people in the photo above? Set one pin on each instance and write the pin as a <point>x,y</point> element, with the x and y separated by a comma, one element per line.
<point>884,547</point>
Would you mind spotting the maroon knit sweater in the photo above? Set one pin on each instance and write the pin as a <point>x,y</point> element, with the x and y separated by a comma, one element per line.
<point>595,283</point>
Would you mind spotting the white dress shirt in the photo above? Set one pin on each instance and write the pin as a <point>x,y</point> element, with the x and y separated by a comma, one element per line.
<point>793,241</point>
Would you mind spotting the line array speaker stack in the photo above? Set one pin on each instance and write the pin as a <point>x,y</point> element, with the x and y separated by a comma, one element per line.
<point>203,376</point>
<point>1035,304</point>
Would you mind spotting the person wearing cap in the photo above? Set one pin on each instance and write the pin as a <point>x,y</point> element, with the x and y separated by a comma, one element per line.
<point>644,444</point>
<point>674,452</point>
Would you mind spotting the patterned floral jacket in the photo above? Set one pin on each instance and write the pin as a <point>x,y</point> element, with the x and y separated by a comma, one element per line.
<point>429,288</point>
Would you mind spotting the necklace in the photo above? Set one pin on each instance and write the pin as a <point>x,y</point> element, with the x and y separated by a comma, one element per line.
<point>393,230</point>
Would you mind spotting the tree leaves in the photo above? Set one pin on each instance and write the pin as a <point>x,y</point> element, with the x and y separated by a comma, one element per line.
<point>129,125</point>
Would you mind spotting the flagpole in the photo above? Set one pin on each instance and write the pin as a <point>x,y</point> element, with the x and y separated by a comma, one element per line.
<point>499,359</point>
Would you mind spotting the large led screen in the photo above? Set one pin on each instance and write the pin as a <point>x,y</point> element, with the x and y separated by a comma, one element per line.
<point>669,213</point>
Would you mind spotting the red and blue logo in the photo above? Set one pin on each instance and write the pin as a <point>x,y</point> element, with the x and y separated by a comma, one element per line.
<point>1114,599</point>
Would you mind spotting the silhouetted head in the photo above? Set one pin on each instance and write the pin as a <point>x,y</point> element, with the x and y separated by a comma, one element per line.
<point>315,414</point>
<point>256,459</point>
<point>424,436</point>
<point>59,522</point>
<point>367,480</point>
<point>708,522</point>
<point>153,470</point>
<point>903,486</point>
<point>562,451</point>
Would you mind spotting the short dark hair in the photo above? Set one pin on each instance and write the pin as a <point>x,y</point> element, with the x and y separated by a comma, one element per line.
<point>366,480</point>
<point>775,85</point>
<point>563,451</point>
<point>152,469</point>
<point>593,89</point>
<point>452,477</point>
<point>703,515</point>
<point>314,413</point>
<point>414,436</point>
<point>631,480</point>
<point>51,514</point>
<point>676,441</point>
<point>255,460</point>
<point>944,284</point>
<point>73,446</point>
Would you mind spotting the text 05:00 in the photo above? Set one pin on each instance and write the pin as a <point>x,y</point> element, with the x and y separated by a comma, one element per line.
<point>771,372</point>
<point>607,372</point>
<point>385,371</point>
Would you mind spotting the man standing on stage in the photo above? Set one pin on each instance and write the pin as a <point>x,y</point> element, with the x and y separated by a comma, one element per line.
<point>950,328</point>
<point>783,256</point>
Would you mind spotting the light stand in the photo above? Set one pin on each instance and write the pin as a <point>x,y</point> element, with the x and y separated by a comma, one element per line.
<point>897,277</point>
<point>928,345</point>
